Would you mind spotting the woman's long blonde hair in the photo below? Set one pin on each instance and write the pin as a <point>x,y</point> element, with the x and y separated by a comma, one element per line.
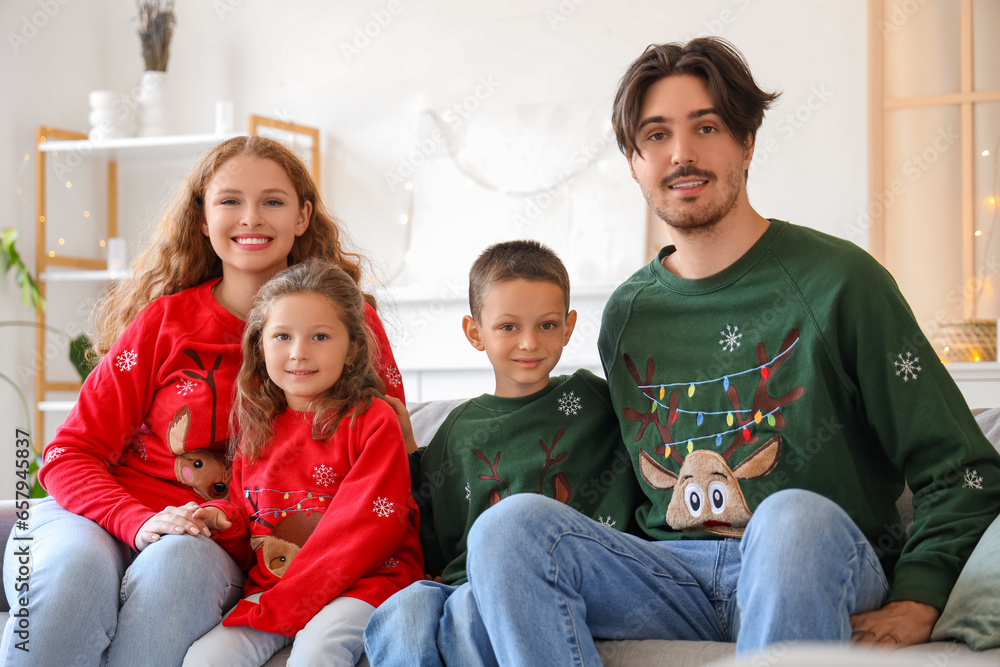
<point>259,400</point>
<point>180,256</point>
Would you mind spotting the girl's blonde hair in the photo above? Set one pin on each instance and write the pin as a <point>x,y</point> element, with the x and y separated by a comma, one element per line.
<point>259,400</point>
<point>180,256</point>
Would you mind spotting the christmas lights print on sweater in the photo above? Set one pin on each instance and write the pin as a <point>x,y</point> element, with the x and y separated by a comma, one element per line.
<point>706,490</point>
<point>290,516</point>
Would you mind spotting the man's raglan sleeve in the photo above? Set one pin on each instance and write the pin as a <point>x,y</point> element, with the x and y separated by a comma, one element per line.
<point>927,430</point>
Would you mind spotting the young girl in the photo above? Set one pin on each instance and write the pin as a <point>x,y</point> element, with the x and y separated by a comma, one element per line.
<point>320,480</point>
<point>120,570</point>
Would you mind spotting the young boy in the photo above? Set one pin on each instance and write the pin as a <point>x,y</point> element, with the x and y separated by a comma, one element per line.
<point>557,437</point>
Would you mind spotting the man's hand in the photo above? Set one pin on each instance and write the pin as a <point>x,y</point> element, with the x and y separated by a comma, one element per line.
<point>895,625</point>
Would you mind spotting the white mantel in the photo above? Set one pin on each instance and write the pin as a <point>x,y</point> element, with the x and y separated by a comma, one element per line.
<point>979,382</point>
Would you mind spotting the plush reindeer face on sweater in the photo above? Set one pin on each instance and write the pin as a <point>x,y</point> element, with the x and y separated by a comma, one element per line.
<point>205,471</point>
<point>707,494</point>
<point>285,541</point>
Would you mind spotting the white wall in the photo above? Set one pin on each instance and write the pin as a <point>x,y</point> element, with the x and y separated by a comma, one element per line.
<point>541,75</point>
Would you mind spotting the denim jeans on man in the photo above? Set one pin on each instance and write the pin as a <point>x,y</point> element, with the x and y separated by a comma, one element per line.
<point>546,581</point>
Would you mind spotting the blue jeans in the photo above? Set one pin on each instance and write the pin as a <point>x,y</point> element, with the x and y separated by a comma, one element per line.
<point>547,580</point>
<point>428,624</point>
<point>93,600</point>
<point>332,637</point>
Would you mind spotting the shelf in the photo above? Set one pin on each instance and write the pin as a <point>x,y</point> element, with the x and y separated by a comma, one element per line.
<point>55,406</point>
<point>976,371</point>
<point>85,276</point>
<point>139,148</point>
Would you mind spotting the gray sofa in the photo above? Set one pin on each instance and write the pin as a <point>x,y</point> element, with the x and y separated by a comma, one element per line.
<point>426,417</point>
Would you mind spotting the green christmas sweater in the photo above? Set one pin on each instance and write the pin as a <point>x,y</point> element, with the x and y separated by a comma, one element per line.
<point>799,366</point>
<point>562,442</point>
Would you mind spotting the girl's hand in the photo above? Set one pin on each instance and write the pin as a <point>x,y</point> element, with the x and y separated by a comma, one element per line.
<point>213,517</point>
<point>404,422</point>
<point>171,521</point>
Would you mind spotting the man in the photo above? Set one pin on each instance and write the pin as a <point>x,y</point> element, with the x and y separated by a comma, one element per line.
<point>774,391</point>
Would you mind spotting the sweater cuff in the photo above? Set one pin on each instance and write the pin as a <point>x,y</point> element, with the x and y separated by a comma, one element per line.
<point>921,582</point>
<point>126,521</point>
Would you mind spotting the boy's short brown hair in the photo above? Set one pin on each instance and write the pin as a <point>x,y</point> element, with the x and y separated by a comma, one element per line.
<point>738,100</point>
<point>515,260</point>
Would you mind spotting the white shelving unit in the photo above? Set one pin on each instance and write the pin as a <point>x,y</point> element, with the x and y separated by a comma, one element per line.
<point>64,269</point>
<point>138,148</point>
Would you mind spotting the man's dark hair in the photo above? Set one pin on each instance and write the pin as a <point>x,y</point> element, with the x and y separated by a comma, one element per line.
<point>515,260</point>
<point>738,101</point>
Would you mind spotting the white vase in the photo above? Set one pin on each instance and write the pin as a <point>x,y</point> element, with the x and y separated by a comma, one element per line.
<point>154,99</point>
<point>109,116</point>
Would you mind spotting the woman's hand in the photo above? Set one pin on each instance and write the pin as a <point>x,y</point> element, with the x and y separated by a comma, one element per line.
<point>171,521</point>
<point>404,422</point>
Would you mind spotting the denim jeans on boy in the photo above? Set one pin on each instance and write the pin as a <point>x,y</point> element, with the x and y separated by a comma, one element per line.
<point>428,624</point>
<point>548,580</point>
<point>91,599</point>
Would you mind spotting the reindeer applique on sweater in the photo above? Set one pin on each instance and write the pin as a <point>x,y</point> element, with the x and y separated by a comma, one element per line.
<point>706,490</point>
<point>561,489</point>
<point>204,470</point>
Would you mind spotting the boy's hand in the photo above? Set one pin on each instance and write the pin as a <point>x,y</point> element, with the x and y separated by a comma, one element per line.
<point>171,521</point>
<point>404,423</point>
<point>213,517</point>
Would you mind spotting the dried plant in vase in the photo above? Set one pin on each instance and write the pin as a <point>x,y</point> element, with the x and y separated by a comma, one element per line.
<point>156,27</point>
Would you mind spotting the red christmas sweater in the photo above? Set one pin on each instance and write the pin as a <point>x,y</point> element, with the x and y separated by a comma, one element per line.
<point>326,519</point>
<point>152,421</point>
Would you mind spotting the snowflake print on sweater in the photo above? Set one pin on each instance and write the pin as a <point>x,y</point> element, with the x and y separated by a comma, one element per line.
<point>54,453</point>
<point>324,475</point>
<point>569,404</point>
<point>184,386</point>
<point>973,480</point>
<point>393,377</point>
<point>382,507</point>
<point>126,360</point>
<point>730,338</point>
<point>907,367</point>
<point>139,446</point>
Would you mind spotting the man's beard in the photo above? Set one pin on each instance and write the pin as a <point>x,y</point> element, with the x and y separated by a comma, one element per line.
<point>704,219</point>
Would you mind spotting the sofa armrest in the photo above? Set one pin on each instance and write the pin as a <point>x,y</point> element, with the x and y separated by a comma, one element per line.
<point>8,515</point>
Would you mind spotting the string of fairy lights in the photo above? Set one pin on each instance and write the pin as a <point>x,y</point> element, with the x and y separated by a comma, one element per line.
<point>295,506</point>
<point>764,370</point>
<point>78,209</point>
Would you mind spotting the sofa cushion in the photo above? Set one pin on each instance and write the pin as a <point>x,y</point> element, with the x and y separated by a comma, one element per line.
<point>972,614</point>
